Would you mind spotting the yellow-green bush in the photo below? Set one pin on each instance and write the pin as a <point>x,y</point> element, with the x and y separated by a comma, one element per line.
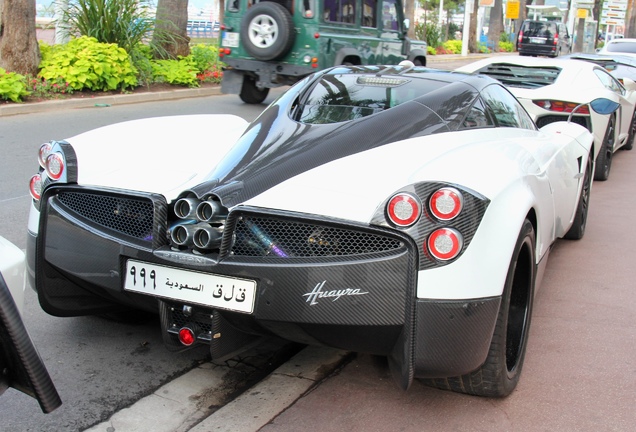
<point>89,65</point>
<point>12,86</point>
<point>453,46</point>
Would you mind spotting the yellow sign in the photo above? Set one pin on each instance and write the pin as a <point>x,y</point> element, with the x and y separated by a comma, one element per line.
<point>581,13</point>
<point>512,10</point>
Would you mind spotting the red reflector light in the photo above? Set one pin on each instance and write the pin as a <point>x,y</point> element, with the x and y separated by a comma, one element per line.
<point>54,166</point>
<point>403,210</point>
<point>446,203</point>
<point>563,107</point>
<point>186,336</point>
<point>43,153</point>
<point>445,243</point>
<point>35,186</point>
<point>316,35</point>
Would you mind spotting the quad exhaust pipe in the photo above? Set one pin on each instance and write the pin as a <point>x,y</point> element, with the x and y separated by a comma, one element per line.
<point>201,235</point>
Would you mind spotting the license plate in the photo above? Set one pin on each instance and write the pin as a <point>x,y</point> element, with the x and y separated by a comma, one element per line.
<point>230,39</point>
<point>190,286</point>
<point>537,40</point>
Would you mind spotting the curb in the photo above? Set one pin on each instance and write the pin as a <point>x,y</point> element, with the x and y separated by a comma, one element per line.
<point>184,404</point>
<point>102,101</point>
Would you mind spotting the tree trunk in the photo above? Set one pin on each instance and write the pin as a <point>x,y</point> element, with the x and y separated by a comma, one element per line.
<point>171,33</point>
<point>495,27</point>
<point>19,49</point>
<point>409,13</point>
<point>630,31</point>
<point>473,37</point>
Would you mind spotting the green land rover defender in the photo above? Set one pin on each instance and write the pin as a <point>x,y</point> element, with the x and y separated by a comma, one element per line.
<point>270,43</point>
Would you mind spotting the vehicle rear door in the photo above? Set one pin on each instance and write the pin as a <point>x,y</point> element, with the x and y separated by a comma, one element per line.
<point>391,19</point>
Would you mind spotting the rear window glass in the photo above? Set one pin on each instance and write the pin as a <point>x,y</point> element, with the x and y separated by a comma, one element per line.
<point>629,47</point>
<point>521,76</point>
<point>538,29</point>
<point>343,97</point>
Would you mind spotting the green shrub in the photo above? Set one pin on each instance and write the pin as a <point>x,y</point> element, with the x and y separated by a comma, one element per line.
<point>123,22</point>
<point>506,47</point>
<point>178,72</point>
<point>141,57</point>
<point>12,86</point>
<point>89,65</point>
<point>205,57</point>
<point>430,50</point>
<point>453,46</point>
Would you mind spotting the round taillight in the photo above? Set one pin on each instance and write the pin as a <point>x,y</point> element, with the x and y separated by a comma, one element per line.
<point>446,203</point>
<point>35,186</point>
<point>186,336</point>
<point>54,166</point>
<point>403,209</point>
<point>445,243</point>
<point>43,153</point>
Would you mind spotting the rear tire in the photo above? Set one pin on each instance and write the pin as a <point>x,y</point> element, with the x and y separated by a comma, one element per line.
<point>251,94</point>
<point>577,230</point>
<point>604,158</point>
<point>632,133</point>
<point>500,373</point>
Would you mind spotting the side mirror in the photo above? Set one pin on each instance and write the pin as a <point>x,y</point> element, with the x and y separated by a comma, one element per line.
<point>600,106</point>
<point>629,84</point>
<point>604,106</point>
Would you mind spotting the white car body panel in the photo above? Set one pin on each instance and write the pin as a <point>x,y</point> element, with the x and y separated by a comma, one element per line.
<point>12,267</point>
<point>130,166</point>
<point>335,190</point>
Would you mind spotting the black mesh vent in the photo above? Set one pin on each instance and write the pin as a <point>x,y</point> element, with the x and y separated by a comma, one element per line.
<point>130,216</point>
<point>544,120</point>
<point>263,236</point>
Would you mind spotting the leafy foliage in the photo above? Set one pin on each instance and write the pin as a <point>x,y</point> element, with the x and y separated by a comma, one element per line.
<point>205,57</point>
<point>506,46</point>
<point>179,72</point>
<point>453,46</point>
<point>12,86</point>
<point>88,64</point>
<point>123,22</point>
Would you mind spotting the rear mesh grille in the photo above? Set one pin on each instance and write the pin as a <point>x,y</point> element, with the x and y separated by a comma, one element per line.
<point>257,236</point>
<point>133,217</point>
<point>544,120</point>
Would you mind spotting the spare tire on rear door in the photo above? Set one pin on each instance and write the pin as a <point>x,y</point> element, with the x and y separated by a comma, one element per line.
<point>267,31</point>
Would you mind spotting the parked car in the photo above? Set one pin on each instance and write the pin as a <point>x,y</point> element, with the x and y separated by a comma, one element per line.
<point>267,44</point>
<point>551,89</point>
<point>21,366</point>
<point>618,65</point>
<point>625,46</point>
<point>543,38</point>
<point>394,210</point>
